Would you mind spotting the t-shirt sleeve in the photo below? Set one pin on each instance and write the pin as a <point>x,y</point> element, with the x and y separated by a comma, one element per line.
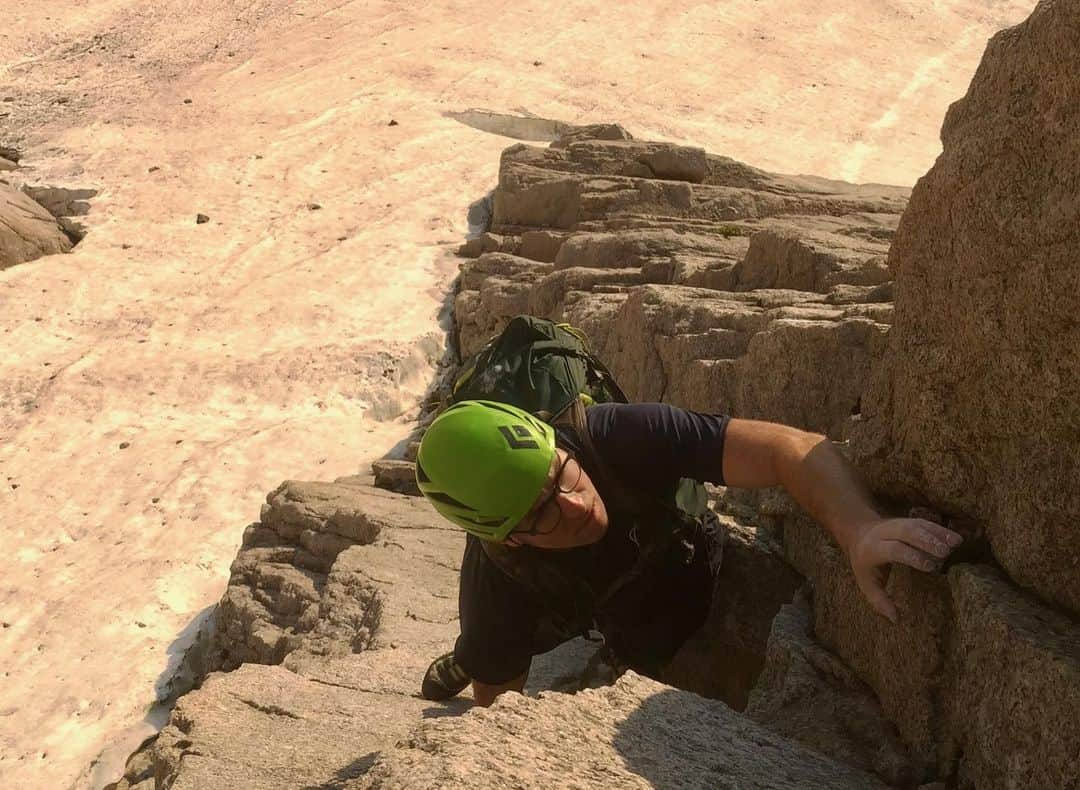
<point>498,620</point>
<point>643,441</point>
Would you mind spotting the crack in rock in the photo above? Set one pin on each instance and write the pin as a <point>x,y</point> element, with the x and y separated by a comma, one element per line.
<point>273,710</point>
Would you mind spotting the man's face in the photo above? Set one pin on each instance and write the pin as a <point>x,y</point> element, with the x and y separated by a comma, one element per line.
<point>569,511</point>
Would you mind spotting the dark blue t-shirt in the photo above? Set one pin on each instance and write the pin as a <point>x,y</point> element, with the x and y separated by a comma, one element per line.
<point>648,447</point>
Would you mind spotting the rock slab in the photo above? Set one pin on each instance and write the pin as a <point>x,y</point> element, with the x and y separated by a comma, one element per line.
<point>635,734</point>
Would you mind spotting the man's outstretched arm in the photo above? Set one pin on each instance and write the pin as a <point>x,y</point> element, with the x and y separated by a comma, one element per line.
<point>761,454</point>
<point>485,693</point>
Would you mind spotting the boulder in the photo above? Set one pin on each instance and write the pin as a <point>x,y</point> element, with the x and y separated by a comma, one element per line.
<point>295,584</point>
<point>27,229</point>
<point>974,408</point>
<point>396,475</point>
<point>795,302</point>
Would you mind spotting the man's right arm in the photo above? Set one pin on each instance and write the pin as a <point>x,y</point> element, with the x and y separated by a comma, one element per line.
<point>485,693</point>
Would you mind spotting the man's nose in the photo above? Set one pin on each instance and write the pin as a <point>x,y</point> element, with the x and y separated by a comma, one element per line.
<point>573,504</point>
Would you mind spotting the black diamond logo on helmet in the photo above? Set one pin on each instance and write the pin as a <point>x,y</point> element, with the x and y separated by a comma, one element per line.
<point>521,440</point>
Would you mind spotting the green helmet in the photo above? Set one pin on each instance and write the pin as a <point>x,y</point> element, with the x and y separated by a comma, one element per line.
<point>482,465</point>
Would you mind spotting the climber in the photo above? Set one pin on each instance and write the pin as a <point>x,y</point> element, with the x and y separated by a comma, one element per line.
<point>565,533</point>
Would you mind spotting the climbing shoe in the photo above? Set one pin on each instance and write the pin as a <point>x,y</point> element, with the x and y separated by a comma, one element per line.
<point>444,679</point>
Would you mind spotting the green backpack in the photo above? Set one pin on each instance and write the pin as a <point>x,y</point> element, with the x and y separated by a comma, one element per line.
<point>539,366</point>
<point>549,370</point>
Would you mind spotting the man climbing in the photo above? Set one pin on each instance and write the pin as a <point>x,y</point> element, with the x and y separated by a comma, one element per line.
<point>568,529</point>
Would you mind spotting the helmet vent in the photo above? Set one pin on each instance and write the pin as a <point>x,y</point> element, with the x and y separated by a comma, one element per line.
<point>446,499</point>
<point>487,522</point>
<point>497,407</point>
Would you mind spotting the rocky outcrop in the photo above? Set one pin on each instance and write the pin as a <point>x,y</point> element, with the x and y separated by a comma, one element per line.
<point>772,305</point>
<point>290,587</point>
<point>808,694</point>
<point>970,413</point>
<point>1017,721</point>
<point>351,591</point>
<point>27,229</point>
<point>67,205</point>
<point>712,285</point>
<point>974,410</point>
<point>724,659</point>
<point>637,733</point>
<point>348,592</point>
<point>729,289</point>
<point>981,679</point>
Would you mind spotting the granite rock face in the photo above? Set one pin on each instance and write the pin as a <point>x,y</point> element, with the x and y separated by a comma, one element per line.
<point>715,286</point>
<point>980,678</point>
<point>1014,666</point>
<point>27,229</point>
<point>975,409</point>
<point>808,694</point>
<point>637,733</point>
<point>291,588</point>
<point>342,686</point>
<point>724,659</point>
<point>725,289</point>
